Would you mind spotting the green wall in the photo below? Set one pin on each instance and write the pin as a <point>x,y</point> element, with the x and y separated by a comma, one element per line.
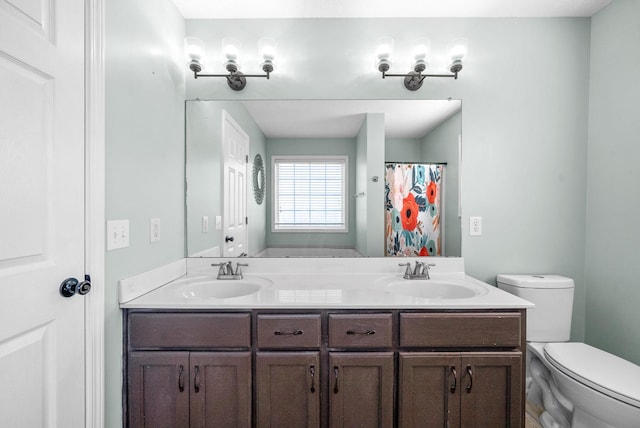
<point>613,199</point>
<point>441,145</point>
<point>144,155</point>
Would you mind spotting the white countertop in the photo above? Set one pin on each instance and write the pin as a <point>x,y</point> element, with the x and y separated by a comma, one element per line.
<point>359,283</point>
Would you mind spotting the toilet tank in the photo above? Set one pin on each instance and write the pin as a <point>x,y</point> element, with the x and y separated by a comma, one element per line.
<point>550,320</point>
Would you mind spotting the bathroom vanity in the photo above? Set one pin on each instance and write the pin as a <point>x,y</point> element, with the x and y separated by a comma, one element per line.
<point>315,350</point>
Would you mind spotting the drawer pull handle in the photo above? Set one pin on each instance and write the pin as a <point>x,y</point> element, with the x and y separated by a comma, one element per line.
<point>361,333</point>
<point>470,375</point>
<point>454,374</point>
<point>196,379</point>
<point>312,370</point>
<point>181,378</point>
<point>288,333</point>
<point>335,373</point>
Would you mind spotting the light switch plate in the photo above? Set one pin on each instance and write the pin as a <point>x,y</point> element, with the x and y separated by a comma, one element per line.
<point>117,234</point>
<point>218,222</point>
<point>205,224</point>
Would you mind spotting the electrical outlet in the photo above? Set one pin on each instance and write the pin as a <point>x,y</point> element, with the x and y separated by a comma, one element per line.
<point>117,234</point>
<point>475,226</point>
<point>154,230</point>
<point>205,224</point>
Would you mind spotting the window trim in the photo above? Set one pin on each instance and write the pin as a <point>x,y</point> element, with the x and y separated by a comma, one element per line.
<point>344,159</point>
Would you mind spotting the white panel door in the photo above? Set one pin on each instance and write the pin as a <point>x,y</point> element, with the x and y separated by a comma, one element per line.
<point>41,212</point>
<point>235,152</point>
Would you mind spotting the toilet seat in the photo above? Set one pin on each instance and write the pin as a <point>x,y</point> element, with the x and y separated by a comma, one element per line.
<point>597,369</point>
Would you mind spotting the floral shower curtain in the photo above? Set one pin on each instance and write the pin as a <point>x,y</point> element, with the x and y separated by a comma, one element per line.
<point>413,205</point>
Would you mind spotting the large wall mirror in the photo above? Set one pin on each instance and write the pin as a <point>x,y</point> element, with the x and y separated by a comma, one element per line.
<point>237,148</point>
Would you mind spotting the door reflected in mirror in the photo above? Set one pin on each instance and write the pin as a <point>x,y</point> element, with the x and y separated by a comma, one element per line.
<point>368,133</point>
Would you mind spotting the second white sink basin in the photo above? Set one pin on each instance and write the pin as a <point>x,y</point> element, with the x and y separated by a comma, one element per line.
<point>211,288</point>
<point>431,288</point>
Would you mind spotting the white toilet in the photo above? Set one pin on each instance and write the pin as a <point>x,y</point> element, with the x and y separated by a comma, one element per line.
<point>578,386</point>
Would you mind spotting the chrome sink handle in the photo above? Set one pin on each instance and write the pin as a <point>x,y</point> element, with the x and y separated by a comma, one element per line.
<point>407,272</point>
<point>222,268</point>
<point>238,270</point>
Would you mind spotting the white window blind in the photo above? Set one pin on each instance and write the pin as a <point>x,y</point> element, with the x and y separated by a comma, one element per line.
<point>309,193</point>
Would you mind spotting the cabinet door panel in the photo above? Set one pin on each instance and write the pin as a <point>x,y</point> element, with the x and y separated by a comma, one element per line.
<point>429,390</point>
<point>361,393</point>
<point>158,389</point>
<point>288,389</point>
<point>220,389</point>
<point>491,390</point>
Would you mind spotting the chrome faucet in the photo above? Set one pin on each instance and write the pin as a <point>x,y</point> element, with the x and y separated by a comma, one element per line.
<point>420,271</point>
<point>226,271</point>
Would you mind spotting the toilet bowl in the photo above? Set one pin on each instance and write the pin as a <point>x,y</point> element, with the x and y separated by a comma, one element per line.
<point>578,386</point>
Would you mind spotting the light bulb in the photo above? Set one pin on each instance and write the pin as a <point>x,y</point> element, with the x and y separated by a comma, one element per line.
<point>194,47</point>
<point>457,52</point>
<point>458,49</point>
<point>267,49</point>
<point>384,53</point>
<point>385,48</point>
<point>421,52</point>
<point>230,49</point>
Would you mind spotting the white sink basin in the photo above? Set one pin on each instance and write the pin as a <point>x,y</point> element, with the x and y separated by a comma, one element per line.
<point>445,289</point>
<point>212,288</point>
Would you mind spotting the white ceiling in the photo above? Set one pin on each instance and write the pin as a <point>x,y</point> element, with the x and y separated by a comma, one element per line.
<point>240,9</point>
<point>343,118</point>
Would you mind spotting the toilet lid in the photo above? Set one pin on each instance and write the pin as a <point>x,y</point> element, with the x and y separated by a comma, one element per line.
<point>599,370</point>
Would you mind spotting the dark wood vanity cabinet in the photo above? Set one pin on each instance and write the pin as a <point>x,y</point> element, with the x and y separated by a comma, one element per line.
<point>443,389</point>
<point>325,368</point>
<point>468,387</point>
<point>189,370</point>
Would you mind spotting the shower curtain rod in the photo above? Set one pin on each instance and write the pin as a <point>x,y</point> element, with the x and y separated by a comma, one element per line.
<point>418,163</point>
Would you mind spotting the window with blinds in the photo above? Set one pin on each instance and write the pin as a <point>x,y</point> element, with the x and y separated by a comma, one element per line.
<point>309,193</point>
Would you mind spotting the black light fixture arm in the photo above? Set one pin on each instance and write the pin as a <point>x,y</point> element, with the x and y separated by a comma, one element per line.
<point>421,76</point>
<point>197,74</point>
<point>235,79</point>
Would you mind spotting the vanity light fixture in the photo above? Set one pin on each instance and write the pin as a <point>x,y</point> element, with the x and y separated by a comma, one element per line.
<point>457,50</point>
<point>231,54</point>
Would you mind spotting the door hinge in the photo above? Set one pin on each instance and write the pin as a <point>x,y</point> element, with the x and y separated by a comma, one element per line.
<point>246,220</point>
<point>247,158</point>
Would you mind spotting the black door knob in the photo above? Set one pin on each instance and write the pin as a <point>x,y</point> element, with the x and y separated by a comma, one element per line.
<point>228,239</point>
<point>71,286</point>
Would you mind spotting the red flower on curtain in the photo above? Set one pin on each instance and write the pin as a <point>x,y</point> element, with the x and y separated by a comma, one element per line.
<point>409,213</point>
<point>431,191</point>
<point>423,252</point>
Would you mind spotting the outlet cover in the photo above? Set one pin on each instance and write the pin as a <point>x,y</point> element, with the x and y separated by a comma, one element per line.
<point>475,226</point>
<point>154,230</point>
